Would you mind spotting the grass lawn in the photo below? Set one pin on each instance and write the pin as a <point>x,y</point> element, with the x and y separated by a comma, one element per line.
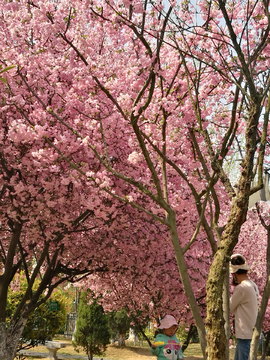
<point>115,352</point>
<point>129,352</point>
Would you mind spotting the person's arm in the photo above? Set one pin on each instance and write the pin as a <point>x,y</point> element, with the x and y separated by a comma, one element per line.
<point>157,345</point>
<point>236,298</point>
<point>155,349</point>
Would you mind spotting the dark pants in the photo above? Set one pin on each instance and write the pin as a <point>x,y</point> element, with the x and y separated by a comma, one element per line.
<point>242,349</point>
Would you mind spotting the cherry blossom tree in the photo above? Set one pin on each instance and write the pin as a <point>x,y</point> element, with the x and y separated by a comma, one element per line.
<point>56,228</point>
<point>146,103</point>
<point>40,212</point>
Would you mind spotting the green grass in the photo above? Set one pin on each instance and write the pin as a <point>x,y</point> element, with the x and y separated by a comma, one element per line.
<point>193,350</point>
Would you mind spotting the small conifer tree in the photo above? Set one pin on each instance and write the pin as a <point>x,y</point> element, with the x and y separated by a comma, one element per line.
<point>92,329</point>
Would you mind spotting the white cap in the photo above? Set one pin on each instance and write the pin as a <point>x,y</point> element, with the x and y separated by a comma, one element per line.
<point>235,268</point>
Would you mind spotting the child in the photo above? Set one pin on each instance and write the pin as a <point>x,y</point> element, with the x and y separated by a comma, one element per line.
<point>166,345</point>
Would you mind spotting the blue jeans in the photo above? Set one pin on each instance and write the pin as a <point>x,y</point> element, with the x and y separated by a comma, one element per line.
<point>242,349</point>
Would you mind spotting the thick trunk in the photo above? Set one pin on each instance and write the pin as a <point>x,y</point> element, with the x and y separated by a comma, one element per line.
<point>218,315</point>
<point>9,339</point>
<point>216,336</point>
<point>6,277</point>
<point>215,324</point>
<point>186,282</point>
<point>226,311</point>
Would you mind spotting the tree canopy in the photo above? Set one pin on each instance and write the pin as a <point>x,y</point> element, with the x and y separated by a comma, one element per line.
<point>119,121</point>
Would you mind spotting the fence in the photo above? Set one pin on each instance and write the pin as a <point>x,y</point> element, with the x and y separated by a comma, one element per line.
<point>70,324</point>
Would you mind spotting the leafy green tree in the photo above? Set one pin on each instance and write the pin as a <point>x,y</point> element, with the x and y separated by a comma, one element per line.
<point>92,328</point>
<point>45,321</point>
<point>119,325</point>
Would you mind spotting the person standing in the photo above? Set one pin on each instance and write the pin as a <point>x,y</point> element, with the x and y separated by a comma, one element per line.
<point>244,303</point>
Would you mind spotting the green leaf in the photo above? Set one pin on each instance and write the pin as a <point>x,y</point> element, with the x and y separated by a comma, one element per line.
<point>3,80</point>
<point>7,68</point>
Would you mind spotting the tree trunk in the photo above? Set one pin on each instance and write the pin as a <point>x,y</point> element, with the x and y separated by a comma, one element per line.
<point>9,336</point>
<point>132,336</point>
<point>183,271</point>
<point>226,311</point>
<point>264,352</point>
<point>215,323</point>
<point>90,353</point>
<point>264,302</point>
<point>9,339</point>
<point>218,328</point>
<point>258,326</point>
<point>192,331</point>
<point>122,339</point>
<point>216,337</point>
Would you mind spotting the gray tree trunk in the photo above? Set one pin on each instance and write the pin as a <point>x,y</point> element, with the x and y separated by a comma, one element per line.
<point>9,339</point>
<point>186,282</point>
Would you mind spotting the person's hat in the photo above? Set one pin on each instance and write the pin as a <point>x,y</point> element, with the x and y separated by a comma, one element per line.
<point>167,322</point>
<point>235,268</point>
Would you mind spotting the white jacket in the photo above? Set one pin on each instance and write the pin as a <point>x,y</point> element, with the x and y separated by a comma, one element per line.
<point>245,304</point>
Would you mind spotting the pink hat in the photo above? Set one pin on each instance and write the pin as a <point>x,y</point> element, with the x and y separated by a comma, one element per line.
<point>167,322</point>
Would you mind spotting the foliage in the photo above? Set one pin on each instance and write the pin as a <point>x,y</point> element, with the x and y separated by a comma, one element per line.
<point>72,295</point>
<point>92,329</point>
<point>182,332</point>
<point>119,323</point>
<point>43,323</point>
<point>118,125</point>
<point>150,333</point>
